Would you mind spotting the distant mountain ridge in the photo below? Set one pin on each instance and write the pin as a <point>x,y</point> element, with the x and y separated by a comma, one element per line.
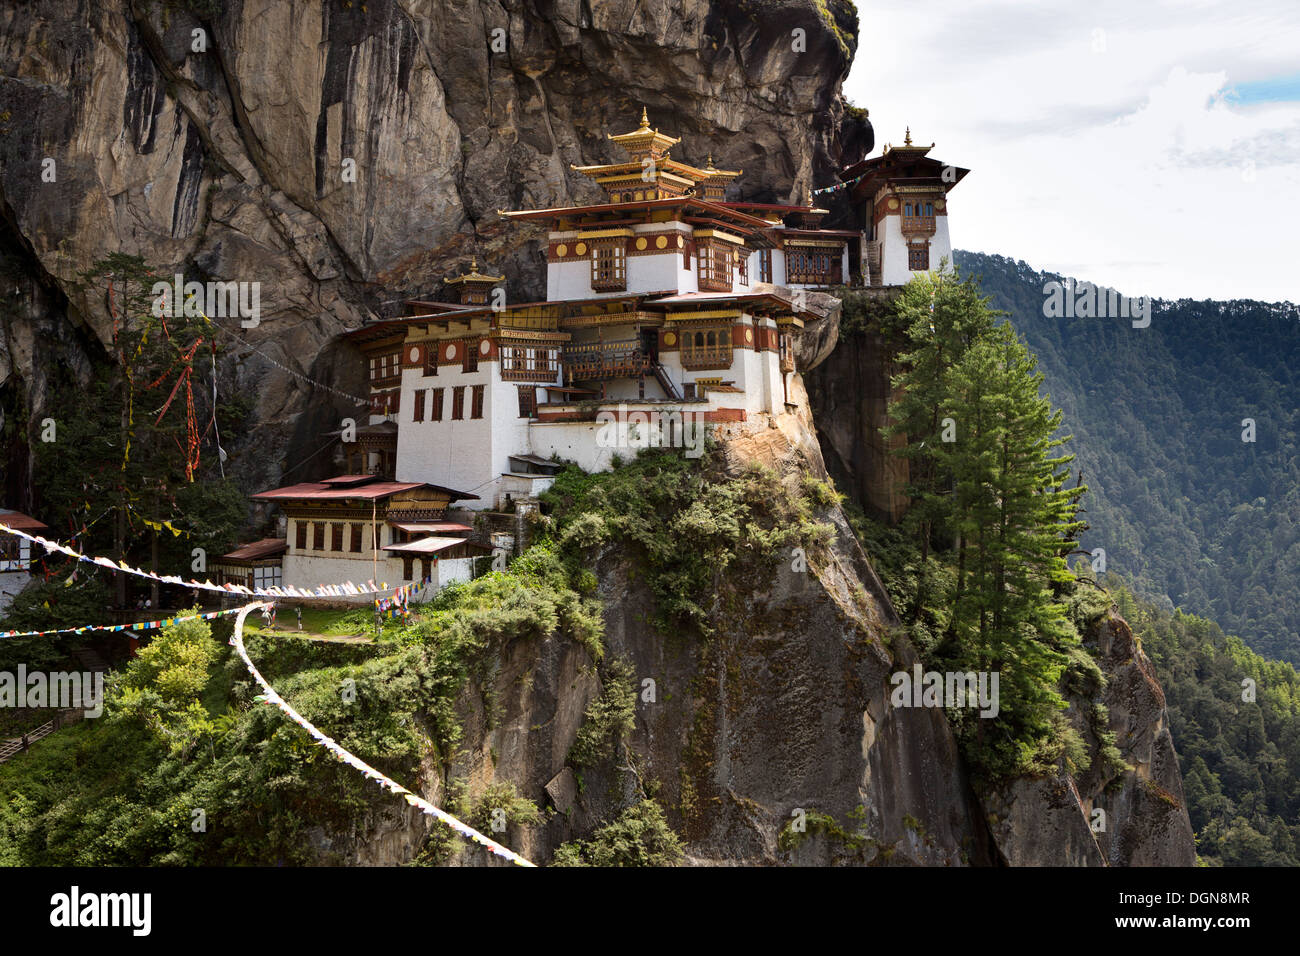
<point>1183,506</point>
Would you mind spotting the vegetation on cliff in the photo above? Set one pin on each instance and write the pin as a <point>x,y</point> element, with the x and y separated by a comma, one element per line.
<point>184,732</point>
<point>991,519</point>
<point>1239,758</point>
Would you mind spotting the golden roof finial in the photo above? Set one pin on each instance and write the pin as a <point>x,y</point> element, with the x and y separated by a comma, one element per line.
<point>907,137</point>
<point>645,120</point>
<point>473,264</point>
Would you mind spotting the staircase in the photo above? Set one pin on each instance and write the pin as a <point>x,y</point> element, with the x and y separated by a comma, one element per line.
<point>873,262</point>
<point>666,383</point>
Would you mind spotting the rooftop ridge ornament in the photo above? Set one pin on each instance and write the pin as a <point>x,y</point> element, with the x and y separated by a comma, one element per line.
<point>473,276</point>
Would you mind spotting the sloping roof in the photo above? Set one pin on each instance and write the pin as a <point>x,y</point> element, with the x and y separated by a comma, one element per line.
<point>21,522</point>
<point>256,550</point>
<point>376,490</point>
<point>784,300</point>
<point>430,527</point>
<point>433,544</point>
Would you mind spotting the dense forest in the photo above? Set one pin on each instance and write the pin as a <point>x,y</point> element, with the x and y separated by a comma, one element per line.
<point>1240,757</point>
<point>1184,508</point>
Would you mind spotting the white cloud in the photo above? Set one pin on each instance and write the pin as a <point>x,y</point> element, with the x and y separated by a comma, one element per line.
<point>1110,155</point>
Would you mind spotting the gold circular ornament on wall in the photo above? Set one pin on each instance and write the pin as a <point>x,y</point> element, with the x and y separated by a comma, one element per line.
<point>661,242</point>
<point>641,243</point>
<point>893,204</point>
<point>580,249</point>
<point>451,351</point>
<point>749,335</point>
<point>484,347</point>
<point>670,338</point>
<point>561,250</point>
<point>938,205</point>
<point>680,242</point>
<point>415,355</point>
<point>640,195</point>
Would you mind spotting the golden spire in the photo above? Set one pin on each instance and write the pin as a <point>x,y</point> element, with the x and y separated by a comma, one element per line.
<point>907,137</point>
<point>645,120</point>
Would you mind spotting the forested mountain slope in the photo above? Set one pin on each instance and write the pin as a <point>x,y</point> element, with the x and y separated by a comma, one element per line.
<point>1184,508</point>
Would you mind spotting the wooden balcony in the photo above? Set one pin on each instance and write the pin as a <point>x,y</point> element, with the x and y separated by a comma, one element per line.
<point>918,225</point>
<point>715,357</point>
<point>539,370</point>
<point>829,276</point>
<point>606,360</point>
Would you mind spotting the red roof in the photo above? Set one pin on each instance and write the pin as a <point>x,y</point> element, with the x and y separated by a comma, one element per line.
<point>255,550</point>
<point>327,491</point>
<point>21,522</point>
<point>557,212</point>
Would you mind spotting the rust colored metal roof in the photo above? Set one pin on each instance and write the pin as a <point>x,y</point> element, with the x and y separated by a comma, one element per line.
<point>324,491</point>
<point>432,545</point>
<point>432,527</point>
<point>21,522</point>
<point>256,550</point>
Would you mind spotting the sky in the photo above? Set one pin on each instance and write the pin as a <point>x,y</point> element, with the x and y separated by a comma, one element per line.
<point>1152,146</point>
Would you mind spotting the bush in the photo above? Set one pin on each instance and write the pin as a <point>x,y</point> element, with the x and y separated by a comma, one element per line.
<point>639,837</point>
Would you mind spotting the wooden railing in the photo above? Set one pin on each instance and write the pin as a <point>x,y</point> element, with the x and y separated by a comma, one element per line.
<point>518,367</point>
<point>717,356</point>
<point>62,718</point>
<point>606,360</point>
<point>829,276</point>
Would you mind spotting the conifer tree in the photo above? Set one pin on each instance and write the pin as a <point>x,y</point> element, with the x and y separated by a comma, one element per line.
<point>990,484</point>
<point>940,317</point>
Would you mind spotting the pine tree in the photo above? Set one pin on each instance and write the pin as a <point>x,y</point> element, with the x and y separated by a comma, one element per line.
<point>940,317</point>
<point>990,483</point>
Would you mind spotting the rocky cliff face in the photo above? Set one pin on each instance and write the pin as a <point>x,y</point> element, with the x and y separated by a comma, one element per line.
<point>347,154</point>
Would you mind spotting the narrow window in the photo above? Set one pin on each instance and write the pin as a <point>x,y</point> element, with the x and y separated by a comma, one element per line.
<point>527,401</point>
<point>458,402</point>
<point>470,363</point>
<point>419,405</point>
<point>609,267</point>
<point>476,409</point>
<point>300,535</point>
<point>337,543</point>
<point>318,535</point>
<point>356,537</point>
<point>436,414</point>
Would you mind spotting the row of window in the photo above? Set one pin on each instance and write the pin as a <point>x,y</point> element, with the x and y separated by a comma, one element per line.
<point>436,402</point>
<point>813,267</point>
<point>388,365</point>
<point>715,262</point>
<point>345,536</point>
<point>337,531</point>
<point>529,363</point>
<point>921,209</point>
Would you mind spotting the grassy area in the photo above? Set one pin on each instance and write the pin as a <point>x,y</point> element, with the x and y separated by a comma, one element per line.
<point>327,624</point>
